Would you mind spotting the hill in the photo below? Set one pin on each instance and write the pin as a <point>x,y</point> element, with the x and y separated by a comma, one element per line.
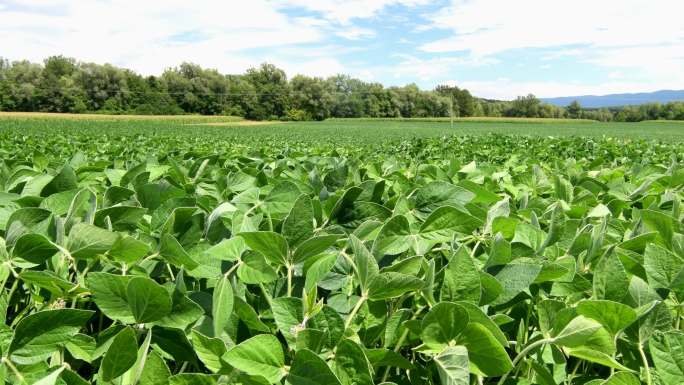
<point>615,100</point>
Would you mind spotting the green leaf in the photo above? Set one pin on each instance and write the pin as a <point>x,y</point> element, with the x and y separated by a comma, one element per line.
<point>366,265</point>
<point>209,350</point>
<point>52,378</point>
<point>309,369</point>
<point>120,356</point>
<point>41,333</point>
<point>192,379</point>
<point>447,220</point>
<point>475,314</point>
<point>613,316</point>
<point>662,266</point>
<point>487,356</point>
<point>576,332</point>
<point>598,357</point>
<point>128,250</point>
<point>351,364</point>
<point>254,269</point>
<point>109,294</point>
<point>515,277</point>
<point>313,247</point>
<point>173,251</point>
<point>443,324</point>
<point>271,245</point>
<point>622,378</point>
<point>260,355</point>
<point>667,350</point>
<point>34,248</point>
<point>298,226</point>
<point>461,280</point>
<point>155,371</point>
<point>288,315</point>
<point>452,366</point>
<point>87,241</point>
<point>147,300</point>
<point>222,305</point>
<point>392,285</point>
<point>394,237</point>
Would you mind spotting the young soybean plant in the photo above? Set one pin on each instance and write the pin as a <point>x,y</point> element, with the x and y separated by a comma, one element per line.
<point>149,257</point>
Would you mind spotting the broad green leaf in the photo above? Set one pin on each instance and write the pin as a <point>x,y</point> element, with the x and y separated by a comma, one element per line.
<point>121,355</point>
<point>366,265</point>
<point>309,369</point>
<point>313,247</point>
<point>209,350</point>
<point>52,378</point>
<point>128,250</point>
<point>147,300</point>
<point>271,245</point>
<point>613,316</point>
<point>254,269</point>
<point>173,251</point>
<point>515,277</point>
<point>298,226</point>
<point>394,237</point>
<point>39,334</point>
<point>622,378</point>
<point>109,294</point>
<point>576,332</point>
<point>87,241</point>
<point>487,356</point>
<point>443,324</point>
<point>34,248</point>
<point>260,355</point>
<point>447,220</point>
<point>461,280</point>
<point>155,371</point>
<point>667,351</point>
<point>392,285</point>
<point>222,305</point>
<point>351,364</point>
<point>452,366</point>
<point>662,266</point>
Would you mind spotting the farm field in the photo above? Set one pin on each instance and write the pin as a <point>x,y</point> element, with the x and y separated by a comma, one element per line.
<point>195,250</point>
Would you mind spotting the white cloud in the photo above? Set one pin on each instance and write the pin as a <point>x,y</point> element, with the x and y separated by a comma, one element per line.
<point>139,34</point>
<point>492,26</point>
<point>645,38</point>
<point>346,10</point>
<point>356,33</point>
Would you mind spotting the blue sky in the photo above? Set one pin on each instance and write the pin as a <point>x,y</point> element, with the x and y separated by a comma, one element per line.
<point>495,48</point>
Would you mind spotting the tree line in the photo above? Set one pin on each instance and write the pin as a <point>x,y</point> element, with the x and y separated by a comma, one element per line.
<point>62,84</point>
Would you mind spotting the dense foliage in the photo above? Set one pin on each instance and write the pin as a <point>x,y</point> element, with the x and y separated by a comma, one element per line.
<point>178,257</point>
<point>64,85</point>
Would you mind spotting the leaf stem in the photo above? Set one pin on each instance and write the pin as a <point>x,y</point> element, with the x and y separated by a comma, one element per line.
<point>14,370</point>
<point>400,342</point>
<point>649,381</point>
<point>289,280</point>
<point>355,310</point>
<point>522,355</point>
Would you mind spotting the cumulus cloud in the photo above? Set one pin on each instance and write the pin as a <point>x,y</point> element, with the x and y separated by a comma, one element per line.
<point>141,34</point>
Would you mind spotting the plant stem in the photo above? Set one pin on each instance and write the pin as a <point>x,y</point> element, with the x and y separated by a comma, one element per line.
<point>266,295</point>
<point>289,280</point>
<point>522,355</point>
<point>14,370</point>
<point>355,310</point>
<point>400,342</point>
<point>649,381</point>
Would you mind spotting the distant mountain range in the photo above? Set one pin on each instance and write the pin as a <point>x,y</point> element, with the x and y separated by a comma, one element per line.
<point>616,100</point>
